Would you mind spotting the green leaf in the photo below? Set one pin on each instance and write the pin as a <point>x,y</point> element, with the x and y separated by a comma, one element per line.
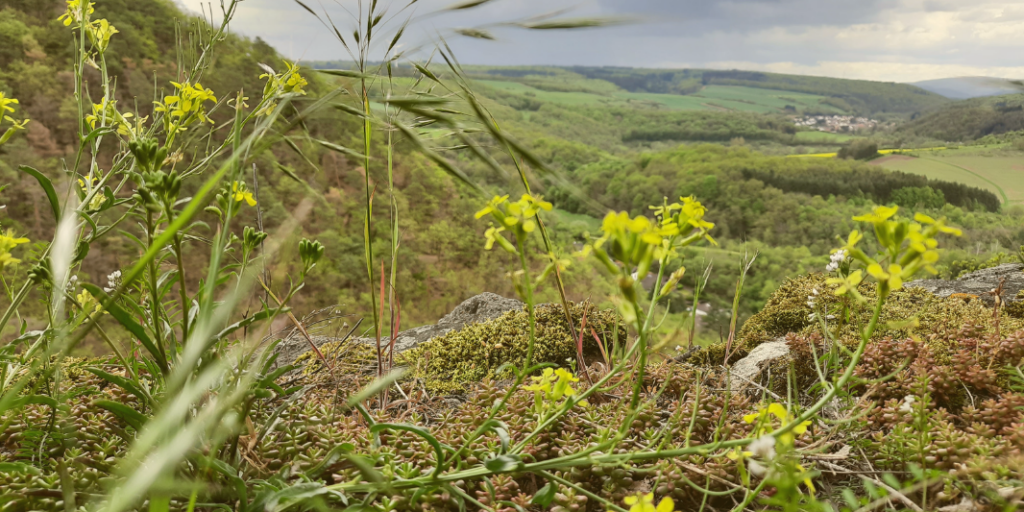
<point>504,463</point>
<point>121,382</point>
<point>475,33</point>
<point>258,317</point>
<point>18,467</point>
<point>345,73</point>
<point>340,149</point>
<point>545,495</point>
<point>51,194</point>
<point>468,4</point>
<point>127,414</point>
<point>350,110</point>
<point>336,454</point>
<point>571,23</point>
<point>129,323</point>
<point>35,400</point>
<point>294,495</point>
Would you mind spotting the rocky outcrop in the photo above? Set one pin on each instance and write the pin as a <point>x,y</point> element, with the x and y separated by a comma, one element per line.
<point>476,309</point>
<point>747,371</point>
<point>979,283</point>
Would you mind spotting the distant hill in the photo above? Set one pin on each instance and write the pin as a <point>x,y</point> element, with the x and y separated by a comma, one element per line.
<point>702,89</point>
<point>971,119</point>
<point>965,87</point>
<point>857,96</point>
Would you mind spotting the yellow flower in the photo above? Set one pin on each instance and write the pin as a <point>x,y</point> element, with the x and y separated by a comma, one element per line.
<point>940,224</point>
<point>74,11</point>
<point>8,241</point>
<point>100,32</point>
<point>551,387</point>
<point>187,106</point>
<point>892,278</point>
<point>240,192</point>
<point>879,215</point>
<point>294,82</point>
<point>645,503</point>
<point>106,113</point>
<point>5,108</point>
<point>492,206</point>
<point>779,411</point>
<point>493,235</point>
<point>87,302</point>
<point>97,202</point>
<point>848,284</point>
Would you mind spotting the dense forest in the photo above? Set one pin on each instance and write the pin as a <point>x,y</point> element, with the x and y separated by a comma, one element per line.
<point>968,120</point>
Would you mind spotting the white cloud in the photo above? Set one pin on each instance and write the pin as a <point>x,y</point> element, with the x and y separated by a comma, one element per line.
<point>892,40</point>
<point>882,71</point>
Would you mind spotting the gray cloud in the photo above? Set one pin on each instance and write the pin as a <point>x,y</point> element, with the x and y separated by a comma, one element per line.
<point>902,40</point>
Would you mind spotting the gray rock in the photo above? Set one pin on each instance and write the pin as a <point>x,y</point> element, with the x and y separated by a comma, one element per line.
<point>476,309</point>
<point>480,308</point>
<point>748,370</point>
<point>979,283</point>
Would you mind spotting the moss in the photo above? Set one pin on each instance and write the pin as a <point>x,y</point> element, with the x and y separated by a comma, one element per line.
<point>1016,309</point>
<point>448,363</point>
<point>787,312</point>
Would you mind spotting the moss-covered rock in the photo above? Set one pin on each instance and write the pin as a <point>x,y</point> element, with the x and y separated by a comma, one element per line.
<point>1016,308</point>
<point>448,363</point>
<point>787,311</point>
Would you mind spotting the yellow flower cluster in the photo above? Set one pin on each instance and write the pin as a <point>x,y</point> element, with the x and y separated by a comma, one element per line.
<point>8,241</point>
<point>186,107</point>
<point>551,387</point>
<point>6,108</point>
<point>907,248</point>
<point>99,31</point>
<point>289,82</point>
<point>88,303</point>
<point>519,217</point>
<point>73,14</point>
<point>636,242</point>
<point>765,423</point>
<point>105,114</point>
<point>768,419</point>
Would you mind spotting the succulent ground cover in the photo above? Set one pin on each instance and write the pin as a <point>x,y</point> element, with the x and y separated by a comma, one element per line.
<point>953,422</point>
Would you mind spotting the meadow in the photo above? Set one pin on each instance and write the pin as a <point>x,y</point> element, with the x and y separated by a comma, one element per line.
<point>712,97</point>
<point>999,171</point>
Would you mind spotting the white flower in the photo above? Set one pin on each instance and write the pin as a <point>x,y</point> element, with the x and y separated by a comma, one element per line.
<point>763,447</point>
<point>113,281</point>
<point>756,468</point>
<point>908,402</point>
<point>835,260</point>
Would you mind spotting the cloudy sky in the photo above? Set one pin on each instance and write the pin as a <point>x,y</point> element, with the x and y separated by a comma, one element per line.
<point>890,40</point>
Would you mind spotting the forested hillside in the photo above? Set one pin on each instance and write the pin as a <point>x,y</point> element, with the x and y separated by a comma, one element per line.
<point>858,96</point>
<point>969,120</point>
<point>622,157</point>
<point>441,263</point>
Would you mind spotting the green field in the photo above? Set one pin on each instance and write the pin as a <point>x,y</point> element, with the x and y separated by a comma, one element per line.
<point>714,97</point>
<point>822,138</point>
<point>1001,172</point>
